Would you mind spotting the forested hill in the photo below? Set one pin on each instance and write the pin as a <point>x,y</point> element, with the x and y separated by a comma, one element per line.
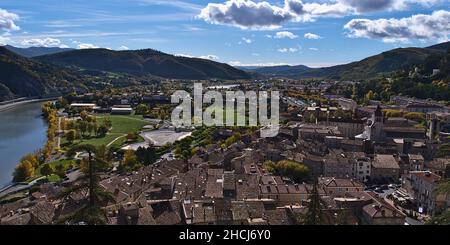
<point>144,62</point>
<point>22,77</point>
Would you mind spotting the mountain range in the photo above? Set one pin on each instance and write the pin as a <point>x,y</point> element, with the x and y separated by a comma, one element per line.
<point>36,51</point>
<point>22,77</point>
<point>144,62</point>
<point>25,72</point>
<point>370,67</point>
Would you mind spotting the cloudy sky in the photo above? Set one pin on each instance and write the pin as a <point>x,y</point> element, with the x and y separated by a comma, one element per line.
<point>238,32</point>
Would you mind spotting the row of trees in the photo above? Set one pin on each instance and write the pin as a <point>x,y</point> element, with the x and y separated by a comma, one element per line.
<point>415,116</point>
<point>87,126</point>
<point>29,163</point>
<point>49,112</point>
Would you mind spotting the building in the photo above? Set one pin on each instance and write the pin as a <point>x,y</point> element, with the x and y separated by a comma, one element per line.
<point>83,106</point>
<point>363,166</point>
<point>423,186</point>
<point>347,104</point>
<point>337,187</point>
<point>425,107</point>
<point>121,110</point>
<point>319,132</point>
<point>374,129</point>
<point>385,168</point>
<point>416,162</point>
<point>379,212</point>
<point>338,164</point>
<point>380,130</point>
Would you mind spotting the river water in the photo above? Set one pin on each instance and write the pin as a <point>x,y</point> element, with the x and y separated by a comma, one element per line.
<point>22,131</point>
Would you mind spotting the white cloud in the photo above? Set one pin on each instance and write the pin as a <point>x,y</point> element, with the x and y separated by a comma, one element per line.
<point>247,40</point>
<point>41,42</point>
<point>362,6</point>
<point>4,40</point>
<point>285,34</point>
<point>420,27</point>
<point>248,14</point>
<point>87,46</point>
<point>209,57</point>
<point>365,6</point>
<point>311,36</point>
<point>239,63</point>
<point>245,14</point>
<point>288,50</point>
<point>7,21</point>
<point>123,47</point>
<point>206,57</point>
<point>172,3</point>
<point>262,15</point>
<point>314,49</point>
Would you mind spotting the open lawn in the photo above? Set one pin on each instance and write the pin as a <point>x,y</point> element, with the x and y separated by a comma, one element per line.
<point>67,164</point>
<point>121,126</point>
<point>125,124</point>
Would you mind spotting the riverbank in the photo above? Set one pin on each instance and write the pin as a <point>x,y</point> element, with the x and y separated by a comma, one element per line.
<point>7,105</point>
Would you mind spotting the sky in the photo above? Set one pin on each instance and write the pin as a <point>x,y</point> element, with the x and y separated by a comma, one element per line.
<point>316,33</point>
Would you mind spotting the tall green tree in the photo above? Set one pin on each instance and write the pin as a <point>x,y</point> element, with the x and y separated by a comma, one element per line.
<point>91,213</point>
<point>315,215</point>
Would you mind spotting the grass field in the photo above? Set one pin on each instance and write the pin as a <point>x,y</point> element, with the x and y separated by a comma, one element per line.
<point>125,124</point>
<point>67,165</point>
<point>121,125</point>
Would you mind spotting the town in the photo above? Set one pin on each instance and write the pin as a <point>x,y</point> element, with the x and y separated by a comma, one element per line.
<point>340,158</point>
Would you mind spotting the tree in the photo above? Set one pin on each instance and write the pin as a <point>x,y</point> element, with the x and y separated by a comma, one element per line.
<point>129,162</point>
<point>142,109</point>
<point>146,156</point>
<point>23,171</point>
<point>132,136</point>
<point>442,219</point>
<point>46,170</point>
<point>415,116</point>
<point>369,96</point>
<point>107,123</point>
<point>71,135</point>
<point>296,171</point>
<point>83,125</point>
<point>91,213</point>
<point>393,113</point>
<point>314,215</point>
<point>31,158</point>
<point>84,115</point>
<point>60,171</point>
<point>102,130</point>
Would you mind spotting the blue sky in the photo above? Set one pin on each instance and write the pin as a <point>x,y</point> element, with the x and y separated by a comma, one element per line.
<point>238,32</point>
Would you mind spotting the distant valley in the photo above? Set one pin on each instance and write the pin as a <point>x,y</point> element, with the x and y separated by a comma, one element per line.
<point>370,67</point>
<point>39,71</point>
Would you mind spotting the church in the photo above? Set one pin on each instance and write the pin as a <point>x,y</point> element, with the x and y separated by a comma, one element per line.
<point>381,129</point>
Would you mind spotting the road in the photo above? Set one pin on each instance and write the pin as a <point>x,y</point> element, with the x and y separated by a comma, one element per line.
<point>18,187</point>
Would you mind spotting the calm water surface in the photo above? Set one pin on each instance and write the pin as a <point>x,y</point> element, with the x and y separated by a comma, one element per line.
<point>22,131</point>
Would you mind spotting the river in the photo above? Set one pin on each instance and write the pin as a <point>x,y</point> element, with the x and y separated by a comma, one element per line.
<point>22,131</point>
